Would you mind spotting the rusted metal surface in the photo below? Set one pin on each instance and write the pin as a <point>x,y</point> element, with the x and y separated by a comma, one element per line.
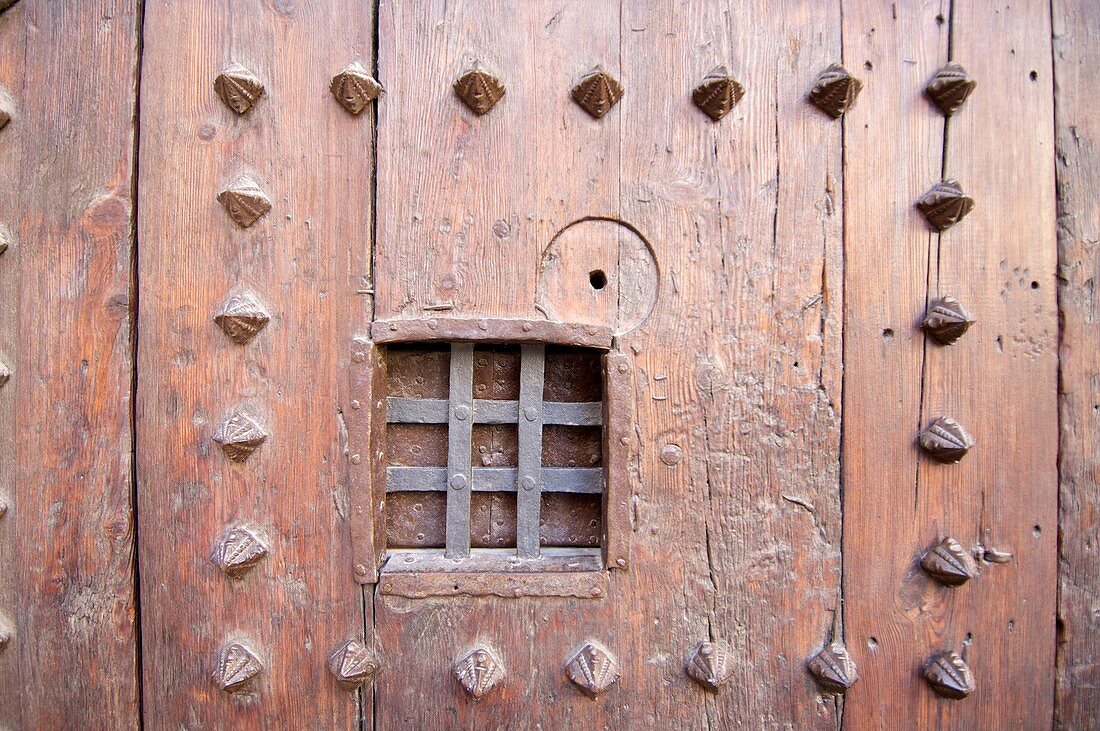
<point>495,329</point>
<point>948,563</point>
<point>479,671</point>
<point>354,88</point>
<point>459,444</point>
<point>717,93</point>
<point>947,320</point>
<point>593,669</point>
<point>238,87</point>
<point>945,440</point>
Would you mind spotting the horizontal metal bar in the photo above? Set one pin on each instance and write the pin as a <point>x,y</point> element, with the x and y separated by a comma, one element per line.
<point>490,411</point>
<point>495,479</point>
<point>490,330</point>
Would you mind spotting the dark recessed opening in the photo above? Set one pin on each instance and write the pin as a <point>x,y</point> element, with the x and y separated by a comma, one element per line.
<point>1035,285</point>
<point>597,279</point>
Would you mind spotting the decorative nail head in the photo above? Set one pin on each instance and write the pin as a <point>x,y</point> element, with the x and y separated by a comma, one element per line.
<point>597,92</point>
<point>945,204</point>
<point>949,675</point>
<point>238,87</point>
<point>479,671</point>
<point>717,93</point>
<point>479,90</point>
<point>354,88</point>
<point>242,317</point>
<point>239,436</point>
<point>240,549</point>
<point>946,441</point>
<point>592,668</point>
<point>835,91</point>
<point>353,663</point>
<point>245,201</point>
<point>947,320</point>
<point>950,87</point>
<point>948,563</point>
<point>237,667</point>
<point>833,668</point>
<point>710,664</point>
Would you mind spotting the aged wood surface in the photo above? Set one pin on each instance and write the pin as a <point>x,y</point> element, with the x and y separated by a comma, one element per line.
<point>308,262</point>
<point>718,551</point>
<point>66,540</point>
<point>999,380</point>
<point>1077,128</point>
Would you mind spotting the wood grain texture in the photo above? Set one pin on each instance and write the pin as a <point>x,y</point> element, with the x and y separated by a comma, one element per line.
<point>744,220</point>
<point>1077,136</point>
<point>999,380</point>
<point>308,261</point>
<point>66,172</point>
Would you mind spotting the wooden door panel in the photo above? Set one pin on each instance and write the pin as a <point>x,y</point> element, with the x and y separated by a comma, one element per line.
<point>66,327</point>
<point>307,263</point>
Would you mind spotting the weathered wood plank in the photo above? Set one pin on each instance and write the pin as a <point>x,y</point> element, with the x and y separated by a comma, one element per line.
<point>998,380</point>
<point>893,151</point>
<point>1077,129</point>
<point>308,261</point>
<point>66,193</point>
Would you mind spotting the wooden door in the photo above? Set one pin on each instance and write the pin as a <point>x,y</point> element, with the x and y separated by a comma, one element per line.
<point>424,364</point>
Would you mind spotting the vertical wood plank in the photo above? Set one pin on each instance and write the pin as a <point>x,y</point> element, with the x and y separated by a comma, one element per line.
<point>1077,129</point>
<point>737,371</point>
<point>66,172</point>
<point>893,150</point>
<point>307,260</point>
<point>1000,380</point>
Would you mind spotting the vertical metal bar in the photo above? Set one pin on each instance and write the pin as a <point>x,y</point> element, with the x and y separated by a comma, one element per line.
<point>459,444</point>
<point>529,474</point>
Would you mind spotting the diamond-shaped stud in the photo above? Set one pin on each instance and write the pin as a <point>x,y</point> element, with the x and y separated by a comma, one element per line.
<point>597,92</point>
<point>6,238</point>
<point>835,91</point>
<point>948,563</point>
<point>7,632</point>
<point>947,320</point>
<point>353,663</point>
<point>949,675</point>
<point>7,109</point>
<point>241,317</point>
<point>240,549</point>
<point>238,87</point>
<point>5,373</point>
<point>718,93</point>
<point>710,664</point>
<point>237,667</point>
<point>245,201</point>
<point>479,671</point>
<point>479,90</point>
<point>592,668</point>
<point>239,436</point>
<point>946,441</point>
<point>833,668</point>
<point>354,88</point>
<point>945,204</point>
<point>950,87</point>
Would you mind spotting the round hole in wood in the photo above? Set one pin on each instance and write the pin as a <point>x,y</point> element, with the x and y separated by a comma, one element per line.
<point>597,279</point>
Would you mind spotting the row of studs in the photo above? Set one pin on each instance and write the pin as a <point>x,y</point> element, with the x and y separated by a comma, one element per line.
<point>834,91</point>
<point>592,668</point>
<point>7,629</point>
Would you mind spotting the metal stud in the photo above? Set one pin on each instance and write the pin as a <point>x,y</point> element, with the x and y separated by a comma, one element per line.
<point>239,550</point>
<point>239,436</point>
<point>238,665</point>
<point>238,87</point>
<point>245,201</point>
<point>597,92</point>
<point>479,90</point>
<point>479,671</point>
<point>833,668</point>
<point>718,93</point>
<point>947,320</point>
<point>945,204</point>
<point>948,563</point>
<point>835,91</point>
<point>7,239</point>
<point>241,317</point>
<point>7,632</point>
<point>3,506</point>
<point>5,373</point>
<point>592,668</point>
<point>710,664</point>
<point>354,88</point>
<point>353,663</point>
<point>950,87</point>
<point>7,107</point>
<point>946,441</point>
<point>949,675</point>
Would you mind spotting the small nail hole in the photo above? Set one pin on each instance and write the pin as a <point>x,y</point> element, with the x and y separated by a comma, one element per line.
<point>597,279</point>
<point>888,332</point>
<point>1035,285</point>
<point>1034,75</point>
